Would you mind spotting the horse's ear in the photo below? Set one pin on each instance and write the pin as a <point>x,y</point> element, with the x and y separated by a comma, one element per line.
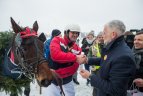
<point>35,26</point>
<point>42,37</point>
<point>15,26</point>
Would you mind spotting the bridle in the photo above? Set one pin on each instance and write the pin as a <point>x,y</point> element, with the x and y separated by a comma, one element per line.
<point>29,69</point>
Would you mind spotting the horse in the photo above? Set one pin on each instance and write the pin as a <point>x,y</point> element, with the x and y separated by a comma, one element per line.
<point>27,57</point>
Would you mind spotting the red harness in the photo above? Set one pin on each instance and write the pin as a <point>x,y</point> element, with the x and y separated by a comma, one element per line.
<point>28,32</point>
<point>24,34</point>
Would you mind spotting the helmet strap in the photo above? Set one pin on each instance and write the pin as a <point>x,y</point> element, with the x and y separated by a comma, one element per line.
<point>67,34</point>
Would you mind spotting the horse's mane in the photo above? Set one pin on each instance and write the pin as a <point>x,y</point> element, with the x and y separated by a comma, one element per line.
<point>11,44</point>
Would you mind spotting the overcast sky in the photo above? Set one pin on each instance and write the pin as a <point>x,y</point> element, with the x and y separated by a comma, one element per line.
<point>89,14</point>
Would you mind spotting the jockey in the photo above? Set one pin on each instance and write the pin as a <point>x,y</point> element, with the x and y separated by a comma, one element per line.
<point>65,54</point>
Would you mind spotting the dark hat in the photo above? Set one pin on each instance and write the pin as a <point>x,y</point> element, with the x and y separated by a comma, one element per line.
<point>55,32</point>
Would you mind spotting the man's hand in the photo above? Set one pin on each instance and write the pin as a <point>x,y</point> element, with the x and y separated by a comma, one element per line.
<point>138,82</point>
<point>81,59</point>
<point>84,73</point>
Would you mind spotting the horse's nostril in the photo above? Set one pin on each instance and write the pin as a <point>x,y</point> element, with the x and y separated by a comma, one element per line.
<point>45,83</point>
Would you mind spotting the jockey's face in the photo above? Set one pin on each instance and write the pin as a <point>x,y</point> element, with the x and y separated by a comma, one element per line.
<point>73,36</point>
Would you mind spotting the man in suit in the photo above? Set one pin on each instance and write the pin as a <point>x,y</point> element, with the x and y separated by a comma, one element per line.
<point>117,63</point>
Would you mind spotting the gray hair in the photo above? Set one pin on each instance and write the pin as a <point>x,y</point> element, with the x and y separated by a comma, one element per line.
<point>100,33</point>
<point>118,26</point>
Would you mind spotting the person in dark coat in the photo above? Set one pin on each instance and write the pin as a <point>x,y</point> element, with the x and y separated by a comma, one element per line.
<point>117,63</point>
<point>85,48</point>
<point>138,53</point>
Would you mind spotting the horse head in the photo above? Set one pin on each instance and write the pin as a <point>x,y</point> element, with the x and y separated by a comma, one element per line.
<point>29,54</point>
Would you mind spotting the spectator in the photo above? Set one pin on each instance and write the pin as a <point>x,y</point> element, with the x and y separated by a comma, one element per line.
<point>138,53</point>
<point>95,51</point>
<point>47,55</point>
<point>117,63</point>
<point>85,48</point>
<point>129,38</point>
<point>66,57</point>
<point>55,32</point>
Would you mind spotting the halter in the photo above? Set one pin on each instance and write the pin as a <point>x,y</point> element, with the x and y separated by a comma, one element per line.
<point>27,68</point>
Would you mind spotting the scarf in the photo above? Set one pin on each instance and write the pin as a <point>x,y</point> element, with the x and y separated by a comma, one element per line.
<point>138,58</point>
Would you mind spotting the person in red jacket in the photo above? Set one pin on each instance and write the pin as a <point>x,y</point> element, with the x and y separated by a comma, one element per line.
<point>65,54</point>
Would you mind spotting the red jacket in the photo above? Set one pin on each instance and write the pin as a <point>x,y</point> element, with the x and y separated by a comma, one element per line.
<point>58,55</point>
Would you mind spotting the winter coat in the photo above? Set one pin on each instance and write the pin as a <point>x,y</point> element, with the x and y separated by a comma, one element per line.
<point>94,51</point>
<point>117,68</point>
<point>84,45</point>
<point>65,64</point>
<point>139,62</point>
<point>138,53</point>
<point>47,48</point>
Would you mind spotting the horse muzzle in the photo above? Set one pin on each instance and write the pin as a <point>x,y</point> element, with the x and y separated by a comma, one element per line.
<point>44,83</point>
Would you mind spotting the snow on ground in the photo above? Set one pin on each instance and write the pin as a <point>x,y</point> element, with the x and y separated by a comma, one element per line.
<point>81,90</point>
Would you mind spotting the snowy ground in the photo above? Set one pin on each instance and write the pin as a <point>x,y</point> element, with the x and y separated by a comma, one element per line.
<point>81,90</point>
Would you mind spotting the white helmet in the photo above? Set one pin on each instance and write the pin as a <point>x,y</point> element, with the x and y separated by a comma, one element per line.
<point>72,27</point>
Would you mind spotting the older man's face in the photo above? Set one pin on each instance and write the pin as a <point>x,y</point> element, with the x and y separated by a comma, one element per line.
<point>138,41</point>
<point>107,34</point>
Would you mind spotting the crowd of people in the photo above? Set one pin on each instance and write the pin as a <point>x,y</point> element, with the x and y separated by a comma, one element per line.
<point>115,65</point>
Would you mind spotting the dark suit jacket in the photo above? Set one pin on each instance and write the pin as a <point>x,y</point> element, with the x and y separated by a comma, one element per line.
<point>117,68</point>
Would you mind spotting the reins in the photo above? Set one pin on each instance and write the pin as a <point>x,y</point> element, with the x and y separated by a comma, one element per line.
<point>27,68</point>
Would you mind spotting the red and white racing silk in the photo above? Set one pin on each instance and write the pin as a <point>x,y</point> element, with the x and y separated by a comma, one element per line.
<point>60,54</point>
